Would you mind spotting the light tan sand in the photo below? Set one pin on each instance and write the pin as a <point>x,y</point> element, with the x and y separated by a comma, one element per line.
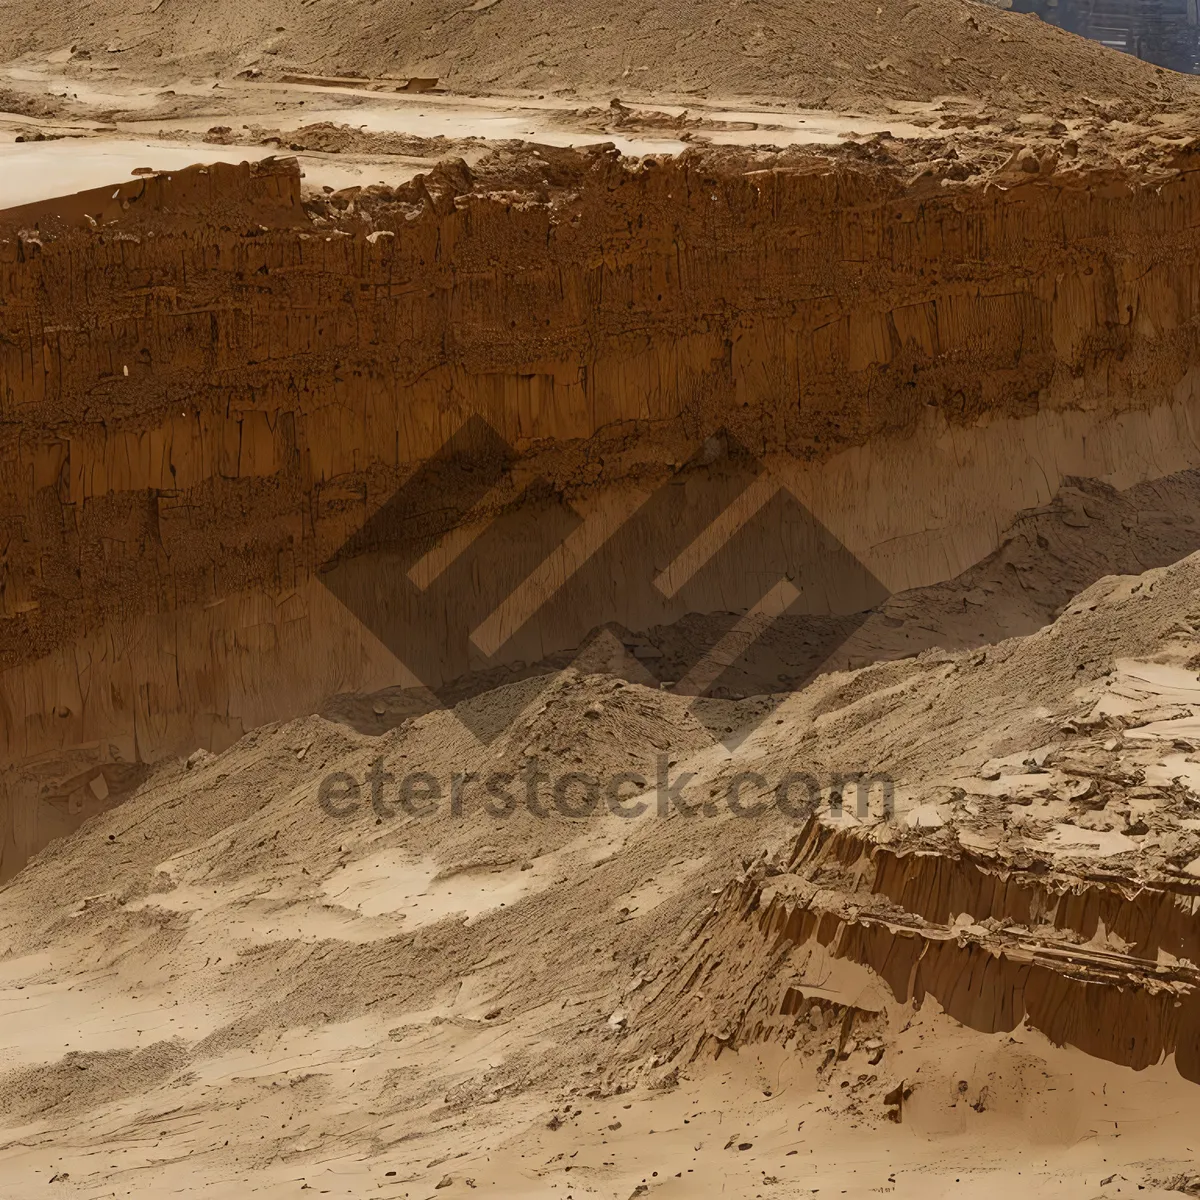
<point>218,989</point>
<point>857,55</point>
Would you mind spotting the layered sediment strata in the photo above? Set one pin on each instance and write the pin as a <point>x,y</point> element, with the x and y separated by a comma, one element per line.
<point>209,385</point>
<point>870,934</point>
<point>1057,888</point>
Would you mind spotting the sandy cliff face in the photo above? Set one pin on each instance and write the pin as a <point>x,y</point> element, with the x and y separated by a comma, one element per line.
<point>564,367</point>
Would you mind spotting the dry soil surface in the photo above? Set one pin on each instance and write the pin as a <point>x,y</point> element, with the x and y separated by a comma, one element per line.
<point>226,987</point>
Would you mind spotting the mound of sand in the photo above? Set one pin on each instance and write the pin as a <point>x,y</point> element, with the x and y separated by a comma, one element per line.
<point>226,976</point>
<point>851,56</point>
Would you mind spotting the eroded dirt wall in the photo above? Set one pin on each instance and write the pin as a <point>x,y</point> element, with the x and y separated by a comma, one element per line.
<point>205,389</point>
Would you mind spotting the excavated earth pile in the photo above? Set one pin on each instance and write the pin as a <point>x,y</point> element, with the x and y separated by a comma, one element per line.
<point>858,56</point>
<point>980,968</point>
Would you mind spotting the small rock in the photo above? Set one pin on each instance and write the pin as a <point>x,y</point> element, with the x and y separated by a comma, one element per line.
<point>1079,789</point>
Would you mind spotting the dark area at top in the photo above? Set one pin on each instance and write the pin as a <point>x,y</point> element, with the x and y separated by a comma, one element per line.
<point>1164,32</point>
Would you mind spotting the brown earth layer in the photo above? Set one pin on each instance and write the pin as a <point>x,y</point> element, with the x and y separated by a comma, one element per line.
<point>210,383</point>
